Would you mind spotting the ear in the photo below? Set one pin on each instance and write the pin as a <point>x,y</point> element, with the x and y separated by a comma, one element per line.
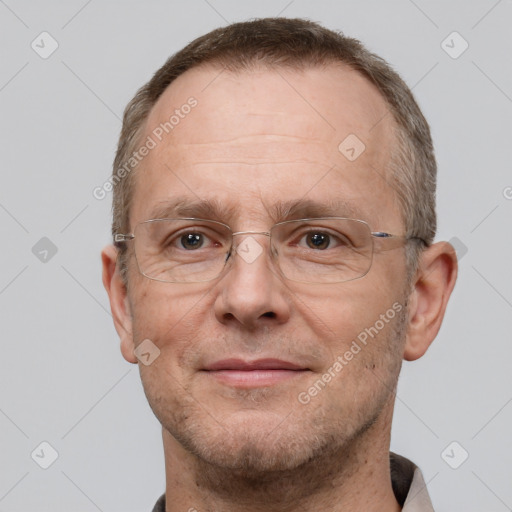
<point>431,289</point>
<point>119,303</point>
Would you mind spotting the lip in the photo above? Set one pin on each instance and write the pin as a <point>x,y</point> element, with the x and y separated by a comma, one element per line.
<point>258,373</point>
<point>258,364</point>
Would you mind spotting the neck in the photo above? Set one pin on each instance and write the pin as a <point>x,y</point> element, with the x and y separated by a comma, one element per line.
<point>353,477</point>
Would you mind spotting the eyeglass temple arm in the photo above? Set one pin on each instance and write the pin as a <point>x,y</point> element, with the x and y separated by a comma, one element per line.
<point>121,237</point>
<point>393,241</point>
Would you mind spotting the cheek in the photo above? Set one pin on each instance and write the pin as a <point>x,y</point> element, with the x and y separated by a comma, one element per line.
<point>173,318</point>
<point>365,367</point>
<point>340,312</point>
<point>365,314</point>
<point>159,307</point>
<point>168,320</point>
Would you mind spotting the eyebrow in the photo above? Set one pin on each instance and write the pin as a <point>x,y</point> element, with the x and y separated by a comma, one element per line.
<point>280,211</point>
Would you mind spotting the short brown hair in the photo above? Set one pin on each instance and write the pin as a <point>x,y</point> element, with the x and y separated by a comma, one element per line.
<point>297,44</point>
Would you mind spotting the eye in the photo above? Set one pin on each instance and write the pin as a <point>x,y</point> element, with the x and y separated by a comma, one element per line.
<point>322,240</point>
<point>192,240</point>
<point>318,240</point>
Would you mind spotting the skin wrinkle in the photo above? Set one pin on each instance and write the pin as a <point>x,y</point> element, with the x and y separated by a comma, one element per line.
<point>250,156</point>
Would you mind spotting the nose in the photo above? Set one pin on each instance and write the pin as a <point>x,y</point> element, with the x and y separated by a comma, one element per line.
<point>252,293</point>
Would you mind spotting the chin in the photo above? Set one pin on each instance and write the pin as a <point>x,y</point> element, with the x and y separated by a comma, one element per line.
<point>254,445</point>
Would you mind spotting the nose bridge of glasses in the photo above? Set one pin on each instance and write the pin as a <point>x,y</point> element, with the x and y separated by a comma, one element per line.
<point>248,247</point>
<point>249,234</point>
<point>266,233</point>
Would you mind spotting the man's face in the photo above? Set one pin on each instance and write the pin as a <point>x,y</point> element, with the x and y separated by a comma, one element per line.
<point>255,139</point>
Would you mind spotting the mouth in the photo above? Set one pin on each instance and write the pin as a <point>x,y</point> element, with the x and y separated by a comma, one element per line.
<point>259,373</point>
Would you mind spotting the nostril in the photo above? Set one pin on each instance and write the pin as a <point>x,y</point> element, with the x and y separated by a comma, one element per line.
<point>269,314</point>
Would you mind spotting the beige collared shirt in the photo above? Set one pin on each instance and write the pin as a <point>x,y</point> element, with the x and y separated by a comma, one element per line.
<point>408,485</point>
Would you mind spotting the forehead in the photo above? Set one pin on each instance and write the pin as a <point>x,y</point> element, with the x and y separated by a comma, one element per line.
<point>252,139</point>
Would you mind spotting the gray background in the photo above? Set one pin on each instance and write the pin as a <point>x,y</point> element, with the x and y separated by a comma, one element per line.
<point>63,379</point>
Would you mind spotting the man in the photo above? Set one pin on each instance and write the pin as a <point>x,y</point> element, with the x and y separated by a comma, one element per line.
<point>274,212</point>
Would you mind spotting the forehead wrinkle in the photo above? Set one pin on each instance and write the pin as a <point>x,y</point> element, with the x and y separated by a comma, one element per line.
<point>248,137</point>
<point>279,211</point>
<point>257,149</point>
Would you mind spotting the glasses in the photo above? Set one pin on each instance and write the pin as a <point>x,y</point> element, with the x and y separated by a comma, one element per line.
<point>320,250</point>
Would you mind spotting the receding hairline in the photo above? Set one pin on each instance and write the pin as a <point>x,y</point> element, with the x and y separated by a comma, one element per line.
<point>223,66</point>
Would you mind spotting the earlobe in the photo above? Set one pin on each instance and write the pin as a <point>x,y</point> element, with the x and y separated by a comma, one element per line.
<point>432,287</point>
<point>119,303</point>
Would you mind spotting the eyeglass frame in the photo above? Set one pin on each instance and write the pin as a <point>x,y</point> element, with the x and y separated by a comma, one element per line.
<point>120,238</point>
